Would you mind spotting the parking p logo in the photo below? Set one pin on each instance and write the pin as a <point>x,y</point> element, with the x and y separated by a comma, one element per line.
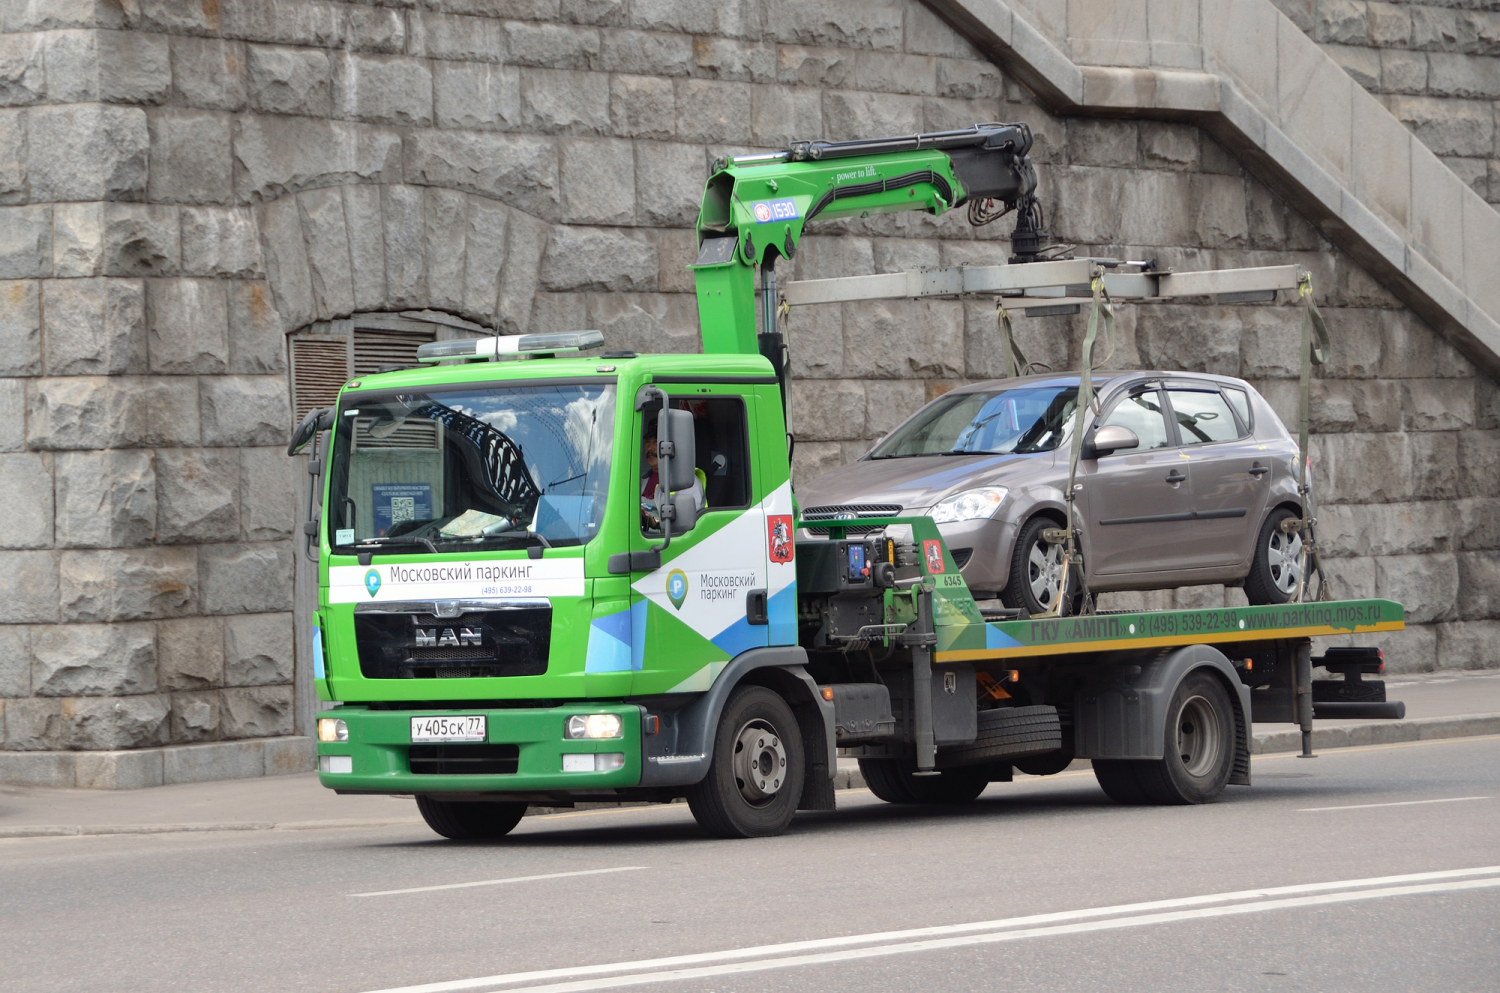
<point>677,587</point>
<point>372,582</point>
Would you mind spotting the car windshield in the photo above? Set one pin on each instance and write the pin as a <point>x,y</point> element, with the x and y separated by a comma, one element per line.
<point>999,422</point>
<point>472,467</point>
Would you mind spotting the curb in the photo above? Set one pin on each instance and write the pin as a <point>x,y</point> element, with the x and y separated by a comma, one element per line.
<point>1264,743</point>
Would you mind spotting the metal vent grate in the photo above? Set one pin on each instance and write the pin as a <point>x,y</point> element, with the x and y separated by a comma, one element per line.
<point>373,349</point>
<point>425,435</point>
<point>320,367</point>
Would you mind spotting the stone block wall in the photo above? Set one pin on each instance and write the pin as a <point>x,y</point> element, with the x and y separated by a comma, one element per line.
<point>183,184</point>
<point>1436,66</point>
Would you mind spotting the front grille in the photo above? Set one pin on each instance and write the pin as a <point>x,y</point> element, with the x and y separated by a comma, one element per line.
<point>512,641</point>
<point>450,654</point>
<point>857,509</point>
<point>464,760</point>
<point>961,556</point>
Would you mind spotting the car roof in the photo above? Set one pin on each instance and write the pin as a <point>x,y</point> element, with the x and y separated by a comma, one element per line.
<point>1103,380</point>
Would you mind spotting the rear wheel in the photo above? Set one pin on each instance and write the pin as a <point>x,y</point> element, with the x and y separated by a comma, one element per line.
<point>1277,564</point>
<point>754,781</point>
<point>895,781</point>
<point>1036,567</point>
<point>465,820</point>
<point>1199,739</point>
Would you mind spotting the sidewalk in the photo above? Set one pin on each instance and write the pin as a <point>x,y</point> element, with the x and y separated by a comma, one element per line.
<point>1446,705</point>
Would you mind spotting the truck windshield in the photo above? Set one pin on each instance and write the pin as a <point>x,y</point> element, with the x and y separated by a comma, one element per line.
<point>472,467</point>
<point>997,422</point>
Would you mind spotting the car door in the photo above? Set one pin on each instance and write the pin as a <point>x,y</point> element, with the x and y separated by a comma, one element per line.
<point>1138,502</point>
<point>1230,473</point>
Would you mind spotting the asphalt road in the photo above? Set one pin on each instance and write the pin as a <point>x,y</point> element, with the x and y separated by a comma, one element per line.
<point>1041,884</point>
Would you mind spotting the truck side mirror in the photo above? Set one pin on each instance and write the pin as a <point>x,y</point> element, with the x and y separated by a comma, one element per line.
<point>676,446</point>
<point>1109,439</point>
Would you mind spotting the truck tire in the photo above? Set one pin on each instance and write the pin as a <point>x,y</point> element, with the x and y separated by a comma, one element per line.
<point>1273,570</point>
<point>1032,583</point>
<point>894,781</point>
<point>1010,731</point>
<point>465,820</point>
<point>1199,737</point>
<point>755,778</point>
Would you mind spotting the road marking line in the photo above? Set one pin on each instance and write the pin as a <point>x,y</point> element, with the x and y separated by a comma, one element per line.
<point>1401,803</point>
<point>783,948</point>
<point>939,944</point>
<point>501,882</point>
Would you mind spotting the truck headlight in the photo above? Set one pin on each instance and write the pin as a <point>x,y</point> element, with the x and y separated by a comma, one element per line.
<point>969,505</point>
<point>595,726</point>
<point>332,729</point>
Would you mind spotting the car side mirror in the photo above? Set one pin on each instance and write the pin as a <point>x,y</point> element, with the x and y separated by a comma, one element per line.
<point>1110,439</point>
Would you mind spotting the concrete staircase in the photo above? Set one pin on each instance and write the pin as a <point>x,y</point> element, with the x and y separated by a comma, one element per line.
<point>1242,71</point>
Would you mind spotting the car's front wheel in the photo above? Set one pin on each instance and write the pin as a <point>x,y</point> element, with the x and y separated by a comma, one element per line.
<point>1036,568</point>
<point>1277,566</point>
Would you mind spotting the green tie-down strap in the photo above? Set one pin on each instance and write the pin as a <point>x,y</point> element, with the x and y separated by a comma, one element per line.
<point>1314,352</point>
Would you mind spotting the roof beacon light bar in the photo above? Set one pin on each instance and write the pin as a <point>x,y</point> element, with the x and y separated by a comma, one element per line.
<point>493,349</point>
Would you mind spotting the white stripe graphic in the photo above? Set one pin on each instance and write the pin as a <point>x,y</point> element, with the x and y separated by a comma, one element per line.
<point>1264,899</point>
<point>1400,803</point>
<point>502,882</point>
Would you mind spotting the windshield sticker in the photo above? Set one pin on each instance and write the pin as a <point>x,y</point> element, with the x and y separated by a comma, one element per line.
<point>397,503</point>
<point>456,580</point>
<point>767,211</point>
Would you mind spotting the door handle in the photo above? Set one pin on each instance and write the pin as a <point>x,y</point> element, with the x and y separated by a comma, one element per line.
<point>1176,477</point>
<point>756,608</point>
<point>1259,470</point>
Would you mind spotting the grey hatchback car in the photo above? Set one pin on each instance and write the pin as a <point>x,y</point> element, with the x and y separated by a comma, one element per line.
<point>1184,480</point>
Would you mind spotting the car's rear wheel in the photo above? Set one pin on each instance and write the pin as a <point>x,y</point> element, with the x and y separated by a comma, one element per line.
<point>1036,566</point>
<point>895,781</point>
<point>1277,565</point>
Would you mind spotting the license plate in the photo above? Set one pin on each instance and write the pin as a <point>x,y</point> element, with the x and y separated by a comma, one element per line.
<point>467,728</point>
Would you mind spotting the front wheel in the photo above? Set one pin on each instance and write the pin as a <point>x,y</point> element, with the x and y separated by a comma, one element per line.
<point>1277,565</point>
<point>1036,568</point>
<point>470,820</point>
<point>754,780</point>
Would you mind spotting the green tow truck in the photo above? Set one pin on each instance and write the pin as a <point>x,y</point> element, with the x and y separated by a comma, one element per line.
<point>552,573</point>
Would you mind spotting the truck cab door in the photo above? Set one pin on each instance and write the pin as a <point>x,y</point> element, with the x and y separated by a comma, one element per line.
<point>691,616</point>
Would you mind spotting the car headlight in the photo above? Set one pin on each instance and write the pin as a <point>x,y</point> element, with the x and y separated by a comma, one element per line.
<point>969,505</point>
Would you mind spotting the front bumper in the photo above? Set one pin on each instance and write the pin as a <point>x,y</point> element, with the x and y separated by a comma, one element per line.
<point>992,540</point>
<point>380,742</point>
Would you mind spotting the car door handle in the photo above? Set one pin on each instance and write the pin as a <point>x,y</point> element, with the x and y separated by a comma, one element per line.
<point>1176,477</point>
<point>1259,470</point>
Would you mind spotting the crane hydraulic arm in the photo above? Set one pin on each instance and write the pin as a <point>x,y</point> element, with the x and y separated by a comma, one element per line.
<point>755,207</point>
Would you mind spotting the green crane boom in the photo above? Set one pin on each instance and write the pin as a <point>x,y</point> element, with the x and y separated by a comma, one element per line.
<point>755,208</point>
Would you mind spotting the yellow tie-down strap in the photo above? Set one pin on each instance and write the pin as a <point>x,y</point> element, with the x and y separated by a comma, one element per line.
<point>1162,628</point>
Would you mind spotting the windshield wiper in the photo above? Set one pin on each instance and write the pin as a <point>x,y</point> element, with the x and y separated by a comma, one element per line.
<point>400,539</point>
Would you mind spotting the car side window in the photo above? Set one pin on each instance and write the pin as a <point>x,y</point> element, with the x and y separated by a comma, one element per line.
<point>1142,413</point>
<point>1203,417</point>
<point>1240,401</point>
